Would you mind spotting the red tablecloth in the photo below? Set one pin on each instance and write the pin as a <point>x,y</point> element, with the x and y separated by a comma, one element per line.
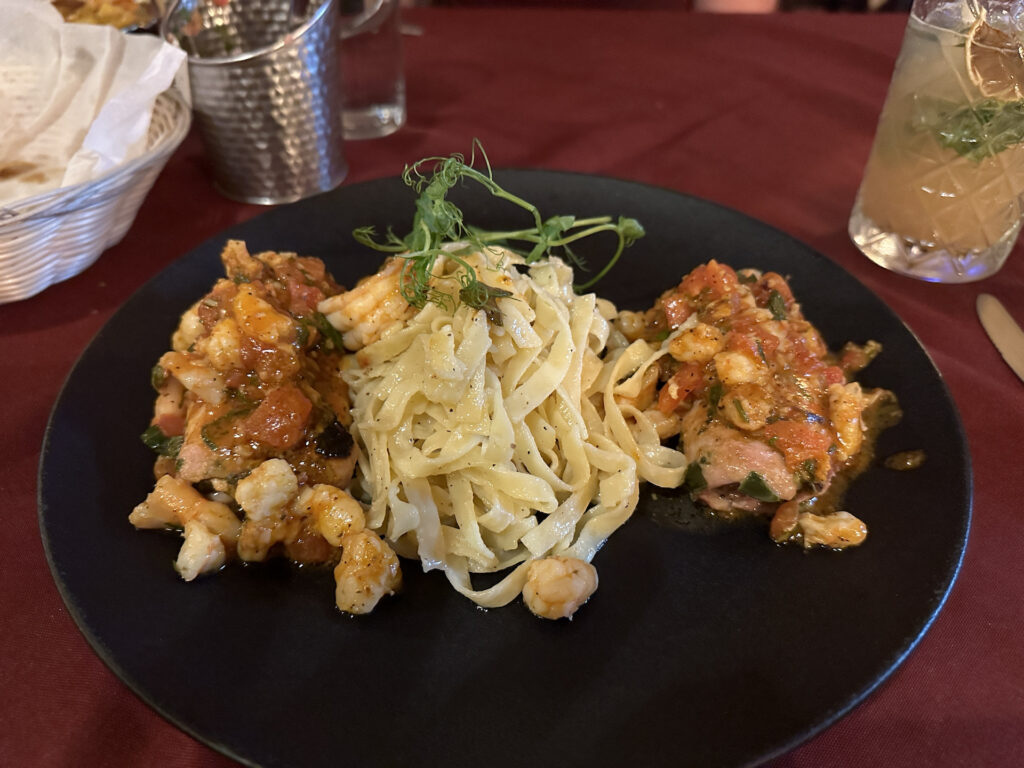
<point>770,115</point>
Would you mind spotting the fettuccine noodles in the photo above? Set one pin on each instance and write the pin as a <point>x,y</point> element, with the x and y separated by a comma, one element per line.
<point>487,445</point>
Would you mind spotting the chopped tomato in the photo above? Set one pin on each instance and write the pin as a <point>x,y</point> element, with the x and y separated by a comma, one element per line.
<point>304,298</point>
<point>714,280</point>
<point>740,342</point>
<point>833,375</point>
<point>677,309</point>
<point>171,424</point>
<point>772,281</point>
<point>799,441</point>
<point>684,382</point>
<point>280,419</point>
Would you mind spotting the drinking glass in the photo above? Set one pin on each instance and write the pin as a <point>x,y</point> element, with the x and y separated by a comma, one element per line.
<point>372,69</point>
<point>941,198</point>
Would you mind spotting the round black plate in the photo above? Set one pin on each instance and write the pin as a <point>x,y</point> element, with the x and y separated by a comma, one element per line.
<point>705,645</point>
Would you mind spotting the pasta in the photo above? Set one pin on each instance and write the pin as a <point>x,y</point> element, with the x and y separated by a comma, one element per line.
<point>491,442</point>
<point>500,442</point>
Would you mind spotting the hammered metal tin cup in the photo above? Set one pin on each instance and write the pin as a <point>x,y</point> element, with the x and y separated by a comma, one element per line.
<point>266,93</point>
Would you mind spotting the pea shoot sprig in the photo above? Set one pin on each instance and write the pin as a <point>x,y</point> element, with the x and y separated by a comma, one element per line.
<point>439,221</point>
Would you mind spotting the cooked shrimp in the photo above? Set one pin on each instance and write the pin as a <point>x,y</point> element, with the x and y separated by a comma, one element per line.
<point>368,310</point>
<point>746,407</point>
<point>846,406</point>
<point>556,586</point>
<point>698,344</point>
<point>335,513</point>
<point>169,409</point>
<point>368,571</point>
<point>258,318</point>
<point>202,552</point>
<point>836,531</point>
<point>735,368</point>
<point>268,490</point>
<point>210,527</point>
<point>173,502</point>
<point>201,379</point>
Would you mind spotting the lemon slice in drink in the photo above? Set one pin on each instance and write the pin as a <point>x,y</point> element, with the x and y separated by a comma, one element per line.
<point>995,61</point>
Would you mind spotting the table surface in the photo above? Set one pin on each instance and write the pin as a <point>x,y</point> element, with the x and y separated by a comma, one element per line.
<point>770,115</point>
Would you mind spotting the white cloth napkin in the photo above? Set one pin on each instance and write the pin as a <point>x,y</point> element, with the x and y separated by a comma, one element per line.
<point>77,98</point>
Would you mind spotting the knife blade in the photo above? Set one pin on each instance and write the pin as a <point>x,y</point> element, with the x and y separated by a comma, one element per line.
<point>1003,330</point>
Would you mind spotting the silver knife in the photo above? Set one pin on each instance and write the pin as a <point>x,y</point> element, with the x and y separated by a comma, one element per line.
<point>1004,332</point>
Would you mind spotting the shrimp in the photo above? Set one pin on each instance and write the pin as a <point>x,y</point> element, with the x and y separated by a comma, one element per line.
<point>368,571</point>
<point>335,513</point>
<point>556,586</point>
<point>266,495</point>
<point>210,527</point>
<point>202,380</point>
<point>698,344</point>
<point>846,408</point>
<point>371,308</point>
<point>836,531</point>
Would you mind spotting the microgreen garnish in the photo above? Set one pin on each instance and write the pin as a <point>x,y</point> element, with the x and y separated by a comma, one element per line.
<point>439,221</point>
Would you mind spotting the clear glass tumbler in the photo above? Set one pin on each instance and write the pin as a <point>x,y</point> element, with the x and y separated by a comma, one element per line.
<point>942,193</point>
<point>372,68</point>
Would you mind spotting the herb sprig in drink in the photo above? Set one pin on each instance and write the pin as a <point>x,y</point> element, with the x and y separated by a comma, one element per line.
<point>942,193</point>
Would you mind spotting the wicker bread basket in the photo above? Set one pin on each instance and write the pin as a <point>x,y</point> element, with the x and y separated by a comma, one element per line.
<point>57,234</point>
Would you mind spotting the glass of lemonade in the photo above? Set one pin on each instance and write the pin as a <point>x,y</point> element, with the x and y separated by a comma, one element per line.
<point>943,190</point>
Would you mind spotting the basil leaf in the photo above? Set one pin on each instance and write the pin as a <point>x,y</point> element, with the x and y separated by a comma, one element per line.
<point>777,305</point>
<point>155,439</point>
<point>329,331</point>
<point>694,477</point>
<point>755,487</point>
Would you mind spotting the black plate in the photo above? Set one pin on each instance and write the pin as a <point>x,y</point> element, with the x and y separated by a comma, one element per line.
<point>705,645</point>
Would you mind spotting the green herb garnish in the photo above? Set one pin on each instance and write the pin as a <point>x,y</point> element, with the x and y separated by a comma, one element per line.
<point>155,439</point>
<point>157,377</point>
<point>760,351</point>
<point>439,221</point>
<point>777,305</point>
<point>808,468</point>
<point>738,405</point>
<point>715,392</point>
<point>329,332</point>
<point>975,132</point>
<point>694,477</point>
<point>754,486</point>
<point>218,428</point>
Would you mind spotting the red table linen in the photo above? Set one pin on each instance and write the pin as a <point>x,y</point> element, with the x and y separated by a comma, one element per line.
<point>771,115</point>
